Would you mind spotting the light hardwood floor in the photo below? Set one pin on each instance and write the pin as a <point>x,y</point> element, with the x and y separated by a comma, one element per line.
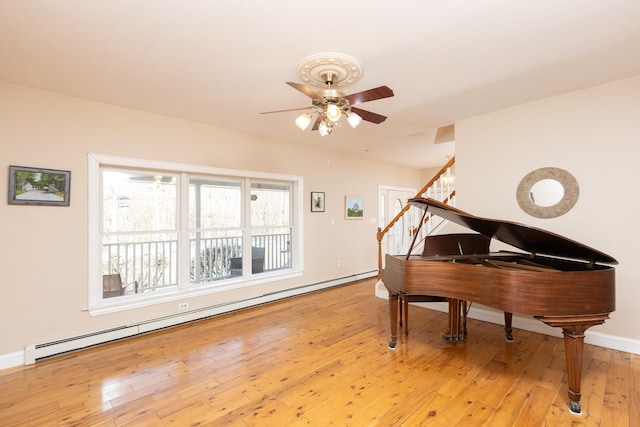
<point>322,359</point>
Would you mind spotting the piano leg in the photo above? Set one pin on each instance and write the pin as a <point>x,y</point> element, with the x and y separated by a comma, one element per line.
<point>404,304</point>
<point>573,329</point>
<point>573,348</point>
<point>457,321</point>
<point>400,302</point>
<point>393,312</point>
<point>508,330</point>
<point>464,306</point>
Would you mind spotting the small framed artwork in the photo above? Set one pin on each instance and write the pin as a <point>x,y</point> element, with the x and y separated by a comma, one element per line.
<point>354,207</point>
<point>317,201</point>
<point>37,186</point>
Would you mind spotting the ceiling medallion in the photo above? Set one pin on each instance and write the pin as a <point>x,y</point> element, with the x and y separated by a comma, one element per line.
<point>344,68</point>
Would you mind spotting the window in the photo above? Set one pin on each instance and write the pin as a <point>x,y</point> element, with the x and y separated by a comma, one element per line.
<point>162,231</point>
<point>139,230</point>
<point>215,227</point>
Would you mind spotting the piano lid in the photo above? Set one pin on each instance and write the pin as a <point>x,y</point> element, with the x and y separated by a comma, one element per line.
<point>529,239</point>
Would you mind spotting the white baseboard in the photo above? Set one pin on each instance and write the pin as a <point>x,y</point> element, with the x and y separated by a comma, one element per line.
<point>11,360</point>
<point>530,324</point>
<point>34,352</point>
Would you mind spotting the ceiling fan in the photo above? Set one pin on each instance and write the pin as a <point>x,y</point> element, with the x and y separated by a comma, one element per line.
<point>330,104</point>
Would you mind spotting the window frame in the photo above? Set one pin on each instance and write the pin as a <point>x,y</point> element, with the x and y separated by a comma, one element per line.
<point>96,162</point>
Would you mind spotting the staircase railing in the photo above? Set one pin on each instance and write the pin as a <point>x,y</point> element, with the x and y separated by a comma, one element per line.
<point>440,187</point>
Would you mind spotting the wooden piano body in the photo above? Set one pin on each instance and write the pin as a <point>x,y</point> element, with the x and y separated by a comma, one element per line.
<point>559,281</point>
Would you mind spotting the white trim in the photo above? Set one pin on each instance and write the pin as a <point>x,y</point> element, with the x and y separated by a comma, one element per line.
<point>182,221</point>
<point>106,159</point>
<point>11,360</point>
<point>382,187</point>
<point>94,200</point>
<point>96,305</point>
<point>143,301</point>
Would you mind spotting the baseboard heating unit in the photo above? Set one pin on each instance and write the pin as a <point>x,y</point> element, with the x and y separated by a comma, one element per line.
<point>36,352</point>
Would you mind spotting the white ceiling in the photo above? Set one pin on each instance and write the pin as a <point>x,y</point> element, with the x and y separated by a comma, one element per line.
<point>224,62</point>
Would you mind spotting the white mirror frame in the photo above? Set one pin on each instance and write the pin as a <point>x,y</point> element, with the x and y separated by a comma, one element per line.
<point>569,199</point>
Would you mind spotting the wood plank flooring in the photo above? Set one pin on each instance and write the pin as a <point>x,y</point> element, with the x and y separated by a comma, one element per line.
<point>322,359</point>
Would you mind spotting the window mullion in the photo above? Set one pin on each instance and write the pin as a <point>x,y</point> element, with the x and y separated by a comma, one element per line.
<point>184,233</point>
<point>246,227</point>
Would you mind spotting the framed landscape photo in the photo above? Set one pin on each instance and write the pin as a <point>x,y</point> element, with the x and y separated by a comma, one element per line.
<point>37,186</point>
<point>317,201</point>
<point>354,207</point>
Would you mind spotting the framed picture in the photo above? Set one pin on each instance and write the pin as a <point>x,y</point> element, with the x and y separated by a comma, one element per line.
<point>317,201</point>
<point>37,186</point>
<point>354,207</point>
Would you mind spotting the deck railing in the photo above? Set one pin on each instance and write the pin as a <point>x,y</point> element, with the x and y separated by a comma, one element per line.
<point>152,265</point>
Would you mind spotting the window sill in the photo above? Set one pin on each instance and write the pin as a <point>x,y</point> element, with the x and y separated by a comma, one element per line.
<point>134,302</point>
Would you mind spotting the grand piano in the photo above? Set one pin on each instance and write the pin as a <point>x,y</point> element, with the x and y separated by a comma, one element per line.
<point>559,281</point>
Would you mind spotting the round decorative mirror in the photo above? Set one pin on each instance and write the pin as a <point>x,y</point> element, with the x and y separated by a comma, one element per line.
<point>547,192</point>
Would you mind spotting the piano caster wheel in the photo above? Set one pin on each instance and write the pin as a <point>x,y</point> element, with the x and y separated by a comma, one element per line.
<point>574,407</point>
<point>453,338</point>
<point>509,338</point>
<point>392,345</point>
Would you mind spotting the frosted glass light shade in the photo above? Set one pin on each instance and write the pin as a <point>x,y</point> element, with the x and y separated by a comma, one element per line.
<point>323,129</point>
<point>354,120</point>
<point>303,121</point>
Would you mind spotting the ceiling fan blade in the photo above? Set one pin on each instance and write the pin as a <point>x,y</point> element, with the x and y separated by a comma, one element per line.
<point>369,95</point>
<point>290,109</point>
<point>305,89</point>
<point>369,116</point>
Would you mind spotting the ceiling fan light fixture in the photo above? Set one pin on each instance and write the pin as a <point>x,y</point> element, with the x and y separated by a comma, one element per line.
<point>303,121</point>
<point>333,112</point>
<point>354,120</point>
<point>330,71</point>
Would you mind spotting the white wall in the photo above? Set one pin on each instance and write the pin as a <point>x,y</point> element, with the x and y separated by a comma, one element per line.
<point>44,249</point>
<point>595,135</point>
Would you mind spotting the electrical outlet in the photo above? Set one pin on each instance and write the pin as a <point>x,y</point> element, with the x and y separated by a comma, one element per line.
<point>339,264</point>
<point>183,306</point>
